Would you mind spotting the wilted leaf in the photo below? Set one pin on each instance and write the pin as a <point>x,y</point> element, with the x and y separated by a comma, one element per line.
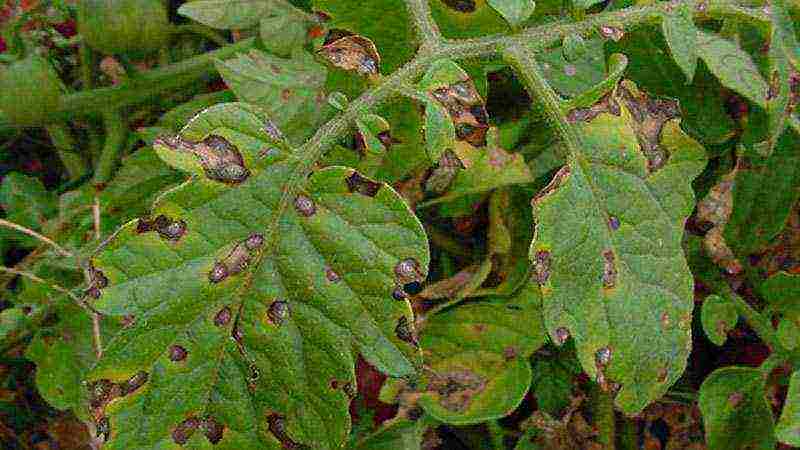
<point>478,354</point>
<point>289,90</point>
<point>735,411</point>
<point>353,53</point>
<point>514,11</point>
<point>681,36</point>
<point>788,428</point>
<point>608,232</point>
<point>718,317</point>
<point>249,286</point>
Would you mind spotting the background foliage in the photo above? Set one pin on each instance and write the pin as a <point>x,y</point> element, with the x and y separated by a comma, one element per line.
<point>400,224</point>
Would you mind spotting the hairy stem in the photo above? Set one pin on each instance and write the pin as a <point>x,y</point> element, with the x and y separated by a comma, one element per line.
<point>427,30</point>
<point>29,232</point>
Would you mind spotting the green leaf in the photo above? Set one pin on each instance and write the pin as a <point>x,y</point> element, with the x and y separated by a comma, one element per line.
<point>385,22</point>
<point>764,191</point>
<point>399,435</point>
<point>282,33</point>
<point>573,47</point>
<point>681,36</point>
<point>226,14</point>
<point>14,322</point>
<point>479,354</point>
<point>617,63</point>
<point>460,19</point>
<point>718,317</point>
<point>735,411</point>
<point>608,232</point>
<point>514,11</point>
<point>781,291</point>
<point>788,428</point>
<point>440,133</point>
<point>27,203</point>
<point>251,295</point>
<point>570,79</point>
<point>553,384</point>
<point>732,66</point>
<point>289,90</point>
<point>788,333</point>
<point>63,354</point>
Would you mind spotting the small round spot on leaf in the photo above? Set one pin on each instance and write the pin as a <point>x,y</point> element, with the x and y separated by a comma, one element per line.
<point>562,334</point>
<point>254,241</point>
<point>331,275</point>
<point>358,184</point>
<point>213,430</point>
<point>218,273</point>
<point>177,353</point>
<point>399,294</point>
<point>735,399</point>
<point>278,312</point>
<point>304,206</point>
<point>613,223</point>
<point>223,317</point>
<point>184,430</point>
<point>408,270</point>
<point>464,6</point>
<point>603,356</point>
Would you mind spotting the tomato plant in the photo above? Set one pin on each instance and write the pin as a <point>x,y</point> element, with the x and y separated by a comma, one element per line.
<point>400,224</point>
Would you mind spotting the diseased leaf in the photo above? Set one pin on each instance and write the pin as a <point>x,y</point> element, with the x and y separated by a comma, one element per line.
<point>226,14</point>
<point>493,168</point>
<point>788,428</point>
<point>681,36</point>
<point>384,22</point>
<point>732,66</point>
<point>782,55</point>
<point>289,90</point>
<point>440,133</point>
<point>607,247</point>
<point>479,357</point>
<point>735,412</point>
<point>553,384</point>
<point>15,321</point>
<point>247,289</point>
<point>514,11</point>
<point>718,317</point>
<point>573,46</point>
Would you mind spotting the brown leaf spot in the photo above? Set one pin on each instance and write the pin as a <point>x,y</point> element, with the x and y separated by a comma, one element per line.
<point>353,53</point>
<point>134,383</point>
<point>278,312</point>
<point>405,331</point>
<point>735,399</point>
<point>558,180</point>
<point>277,427</point>
<point>184,430</point>
<point>456,389</point>
<point>399,294</point>
<point>223,317</point>
<point>603,357</point>
<point>254,241</point>
<point>613,223</point>
<point>541,267</point>
<point>220,159</point>
<point>177,353</point>
<point>213,430</point>
<point>510,353</point>
<point>609,32</point>
<point>662,374</point>
<point>304,206</point>
<point>462,6</point>
<point>562,334</point>
<point>358,184</point>
<point>331,275</point>
<point>408,271</point>
<point>218,273</point>
<point>609,270</point>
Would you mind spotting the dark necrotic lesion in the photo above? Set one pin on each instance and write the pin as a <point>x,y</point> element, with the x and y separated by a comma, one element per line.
<point>464,6</point>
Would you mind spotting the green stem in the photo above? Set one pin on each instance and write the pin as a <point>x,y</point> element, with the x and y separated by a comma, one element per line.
<point>628,434</point>
<point>146,85</point>
<point>116,136</point>
<point>86,64</point>
<point>603,414</point>
<point>74,163</point>
<point>426,27</point>
<point>760,324</point>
